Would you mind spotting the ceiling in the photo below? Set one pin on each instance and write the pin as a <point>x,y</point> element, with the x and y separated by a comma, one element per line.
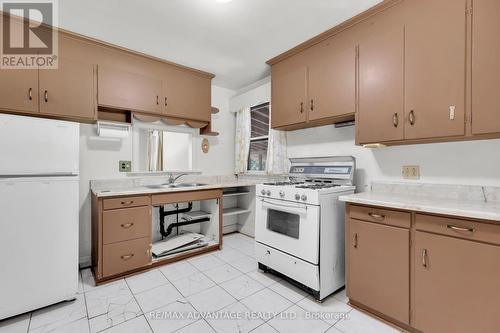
<point>231,40</point>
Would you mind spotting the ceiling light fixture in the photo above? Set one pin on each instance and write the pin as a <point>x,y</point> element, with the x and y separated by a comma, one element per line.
<point>223,1</point>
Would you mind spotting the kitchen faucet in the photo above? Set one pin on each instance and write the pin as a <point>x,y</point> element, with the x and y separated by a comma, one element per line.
<point>172,179</point>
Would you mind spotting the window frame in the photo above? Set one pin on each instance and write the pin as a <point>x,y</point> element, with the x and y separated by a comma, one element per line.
<point>264,137</point>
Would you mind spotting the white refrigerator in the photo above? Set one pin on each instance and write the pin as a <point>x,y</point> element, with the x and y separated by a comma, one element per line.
<point>39,160</point>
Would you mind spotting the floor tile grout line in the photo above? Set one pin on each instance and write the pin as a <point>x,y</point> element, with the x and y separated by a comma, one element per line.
<point>29,323</point>
<point>263,287</point>
<point>139,305</point>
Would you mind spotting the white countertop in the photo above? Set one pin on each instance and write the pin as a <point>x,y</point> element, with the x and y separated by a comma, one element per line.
<point>468,205</point>
<point>138,190</point>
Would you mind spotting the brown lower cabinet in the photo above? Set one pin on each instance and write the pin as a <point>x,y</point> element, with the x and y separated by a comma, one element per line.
<point>438,274</point>
<point>122,232</point>
<point>126,256</point>
<point>457,285</point>
<point>379,268</point>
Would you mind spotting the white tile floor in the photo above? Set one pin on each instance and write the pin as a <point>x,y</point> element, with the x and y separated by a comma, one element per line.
<point>225,286</point>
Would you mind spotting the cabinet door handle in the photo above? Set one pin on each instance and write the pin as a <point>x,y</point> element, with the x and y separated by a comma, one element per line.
<point>166,103</point>
<point>424,258</point>
<point>127,257</point>
<point>126,203</point>
<point>412,117</point>
<point>301,107</point>
<point>312,104</point>
<point>127,225</point>
<point>377,216</point>
<point>454,227</point>
<point>157,100</point>
<point>46,96</point>
<point>30,94</point>
<point>395,119</point>
<point>355,240</point>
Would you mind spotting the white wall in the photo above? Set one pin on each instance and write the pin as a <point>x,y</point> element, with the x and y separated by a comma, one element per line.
<point>220,158</point>
<point>99,159</point>
<point>469,162</point>
<point>252,95</point>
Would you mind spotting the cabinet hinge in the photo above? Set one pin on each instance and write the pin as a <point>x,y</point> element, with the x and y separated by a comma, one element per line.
<point>468,119</point>
<point>469,10</point>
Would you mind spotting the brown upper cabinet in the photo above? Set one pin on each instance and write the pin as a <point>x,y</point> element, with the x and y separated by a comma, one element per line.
<point>380,116</point>
<point>426,71</point>
<point>288,92</point>
<point>120,89</point>
<point>331,74</point>
<point>68,91</point>
<point>94,74</point>
<point>187,95</point>
<point>315,86</point>
<point>486,67</point>
<point>435,48</point>
<point>19,90</point>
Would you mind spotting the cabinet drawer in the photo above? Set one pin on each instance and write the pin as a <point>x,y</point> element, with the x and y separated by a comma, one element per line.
<point>378,215</point>
<point>126,202</point>
<point>125,224</point>
<point>466,229</point>
<point>125,256</point>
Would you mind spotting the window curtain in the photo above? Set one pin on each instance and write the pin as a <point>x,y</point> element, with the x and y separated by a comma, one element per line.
<point>277,159</point>
<point>155,150</point>
<point>242,140</point>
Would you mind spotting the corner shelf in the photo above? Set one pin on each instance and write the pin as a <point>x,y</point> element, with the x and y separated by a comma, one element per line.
<point>197,214</point>
<point>235,193</point>
<point>235,211</point>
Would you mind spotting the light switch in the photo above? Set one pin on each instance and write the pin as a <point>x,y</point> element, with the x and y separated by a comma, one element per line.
<point>411,172</point>
<point>452,112</point>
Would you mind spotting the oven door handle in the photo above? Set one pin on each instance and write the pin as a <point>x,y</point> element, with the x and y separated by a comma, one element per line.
<point>284,207</point>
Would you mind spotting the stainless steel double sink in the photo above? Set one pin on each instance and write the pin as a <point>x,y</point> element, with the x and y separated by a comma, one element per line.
<point>175,185</point>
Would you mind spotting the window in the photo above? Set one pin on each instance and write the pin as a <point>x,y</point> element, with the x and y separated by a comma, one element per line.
<point>259,138</point>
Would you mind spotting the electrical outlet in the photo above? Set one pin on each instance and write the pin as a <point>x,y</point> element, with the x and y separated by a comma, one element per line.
<point>125,166</point>
<point>411,172</point>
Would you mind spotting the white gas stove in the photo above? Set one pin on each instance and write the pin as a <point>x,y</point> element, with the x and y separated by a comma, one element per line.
<point>299,226</point>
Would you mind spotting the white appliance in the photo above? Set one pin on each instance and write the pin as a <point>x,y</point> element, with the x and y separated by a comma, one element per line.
<point>39,207</point>
<point>299,225</point>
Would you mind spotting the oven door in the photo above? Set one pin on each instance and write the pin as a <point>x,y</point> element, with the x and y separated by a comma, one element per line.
<point>290,227</point>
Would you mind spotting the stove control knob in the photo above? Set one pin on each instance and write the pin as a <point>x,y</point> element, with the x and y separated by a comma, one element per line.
<point>297,196</point>
<point>282,194</point>
<point>263,192</point>
<point>304,197</point>
<point>268,192</point>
